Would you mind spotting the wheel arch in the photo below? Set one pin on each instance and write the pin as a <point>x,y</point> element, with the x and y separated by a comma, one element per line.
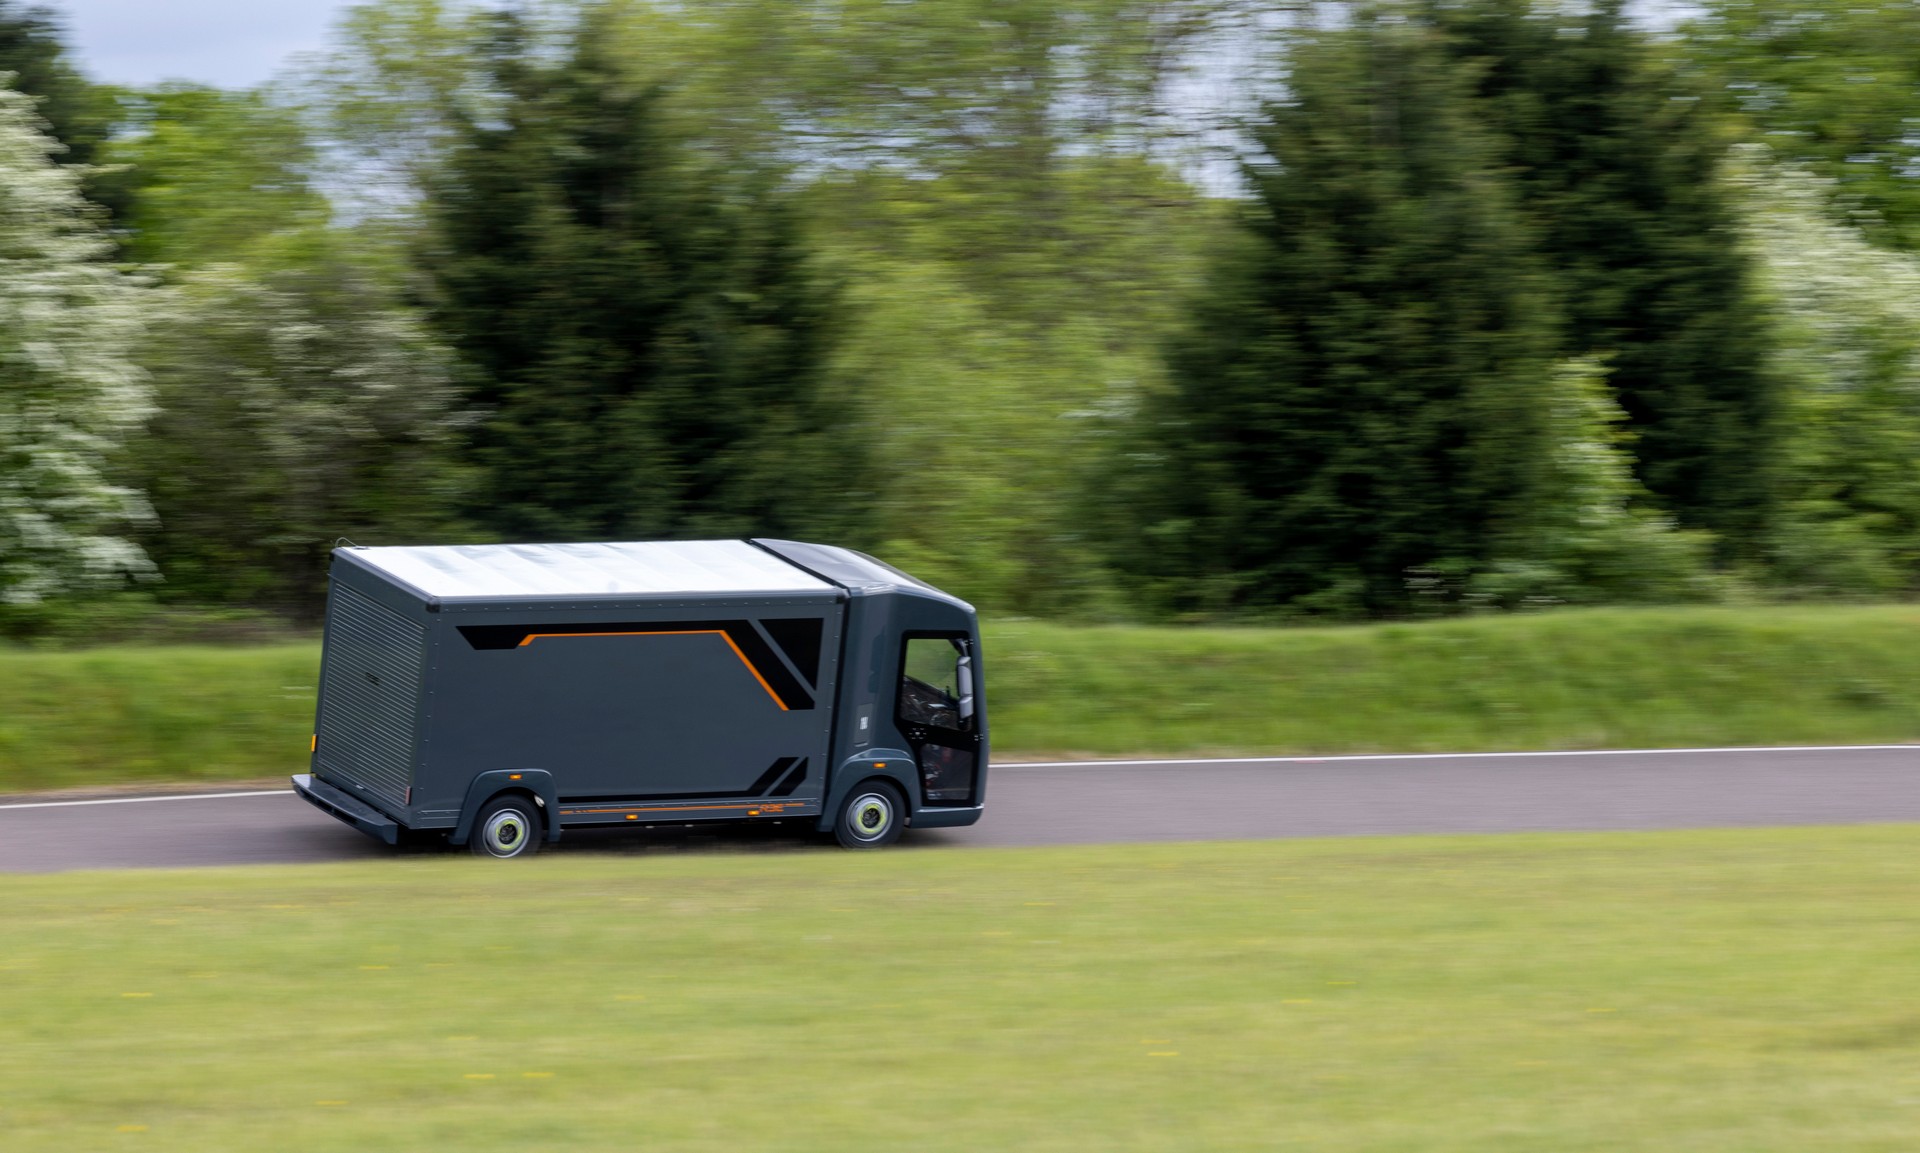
<point>534,783</point>
<point>900,770</point>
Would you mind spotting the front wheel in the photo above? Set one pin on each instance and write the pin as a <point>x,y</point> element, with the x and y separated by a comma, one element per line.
<point>508,826</point>
<point>872,817</point>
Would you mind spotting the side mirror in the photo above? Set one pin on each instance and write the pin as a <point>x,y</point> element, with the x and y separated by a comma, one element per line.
<point>963,680</point>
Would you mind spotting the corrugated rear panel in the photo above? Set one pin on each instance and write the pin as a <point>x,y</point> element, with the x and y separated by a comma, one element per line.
<point>370,695</point>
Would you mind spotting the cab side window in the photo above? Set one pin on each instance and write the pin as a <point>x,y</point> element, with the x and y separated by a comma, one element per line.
<point>933,685</point>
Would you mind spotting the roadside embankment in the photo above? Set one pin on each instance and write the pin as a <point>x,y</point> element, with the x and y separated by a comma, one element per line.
<point>1609,678</point>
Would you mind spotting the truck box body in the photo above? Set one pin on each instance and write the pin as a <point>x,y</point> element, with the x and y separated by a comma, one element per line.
<point>636,682</point>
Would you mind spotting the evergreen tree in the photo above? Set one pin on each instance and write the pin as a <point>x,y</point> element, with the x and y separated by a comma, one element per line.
<point>1363,392</point>
<point>1616,164</point>
<point>646,333</point>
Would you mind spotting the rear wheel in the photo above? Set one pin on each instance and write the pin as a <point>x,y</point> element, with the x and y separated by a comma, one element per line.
<point>872,816</point>
<point>508,826</point>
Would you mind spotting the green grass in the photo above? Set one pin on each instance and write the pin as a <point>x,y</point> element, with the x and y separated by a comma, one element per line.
<point>138,714</point>
<point>1574,679</point>
<point>1743,992</point>
<point>1602,678</point>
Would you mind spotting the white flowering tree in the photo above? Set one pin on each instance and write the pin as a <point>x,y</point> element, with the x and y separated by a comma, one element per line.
<point>1593,535</point>
<point>70,391</point>
<point>301,401</point>
<point>1847,342</point>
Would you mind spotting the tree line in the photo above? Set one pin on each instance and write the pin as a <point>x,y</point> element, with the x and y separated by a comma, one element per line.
<point>1162,309</point>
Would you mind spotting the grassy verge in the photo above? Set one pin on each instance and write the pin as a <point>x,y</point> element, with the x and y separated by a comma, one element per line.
<point>1605,678</point>
<point>1590,679</point>
<point>1743,992</point>
<point>154,714</point>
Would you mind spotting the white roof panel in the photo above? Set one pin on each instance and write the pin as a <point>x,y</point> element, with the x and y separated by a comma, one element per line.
<point>641,568</point>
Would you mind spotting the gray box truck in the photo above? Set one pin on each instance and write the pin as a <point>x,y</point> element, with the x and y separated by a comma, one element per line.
<point>500,694</point>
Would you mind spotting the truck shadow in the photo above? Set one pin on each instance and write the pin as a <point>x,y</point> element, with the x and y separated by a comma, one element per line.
<point>768,837</point>
<point>718,837</point>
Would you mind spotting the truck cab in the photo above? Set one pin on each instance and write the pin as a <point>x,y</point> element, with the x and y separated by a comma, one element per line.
<point>910,708</point>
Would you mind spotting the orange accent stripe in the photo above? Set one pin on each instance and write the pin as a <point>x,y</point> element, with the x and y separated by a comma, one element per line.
<point>531,637</point>
<point>566,812</point>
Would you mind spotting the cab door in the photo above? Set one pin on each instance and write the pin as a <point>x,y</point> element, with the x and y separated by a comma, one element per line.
<point>935,710</point>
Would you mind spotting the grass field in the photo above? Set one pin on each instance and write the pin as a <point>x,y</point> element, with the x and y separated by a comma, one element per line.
<point>1744,992</point>
<point>1575,679</point>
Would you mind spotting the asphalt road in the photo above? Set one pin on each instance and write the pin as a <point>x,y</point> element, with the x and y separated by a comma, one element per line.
<point>1109,802</point>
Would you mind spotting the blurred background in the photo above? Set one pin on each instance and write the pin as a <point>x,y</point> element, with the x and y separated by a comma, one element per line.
<point>1130,313</point>
<point>1123,310</point>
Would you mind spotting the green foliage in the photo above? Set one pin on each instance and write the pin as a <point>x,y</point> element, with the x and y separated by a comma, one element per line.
<point>991,411</point>
<point>1829,85</point>
<point>1597,185</point>
<point>985,180</point>
<point>989,180</point>
<point>302,400</point>
<point>205,174</point>
<point>1847,319</point>
<point>1591,535</point>
<point>138,617</point>
<point>931,278</point>
<point>647,333</point>
<point>79,115</point>
<point>1616,162</point>
<point>990,108</point>
<point>301,396</point>
<point>70,392</point>
<point>388,95</point>
<point>1362,392</point>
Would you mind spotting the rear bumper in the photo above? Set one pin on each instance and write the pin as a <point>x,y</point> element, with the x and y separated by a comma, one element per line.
<point>335,803</point>
<point>946,818</point>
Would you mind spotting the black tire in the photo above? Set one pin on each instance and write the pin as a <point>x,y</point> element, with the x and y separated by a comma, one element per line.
<point>507,826</point>
<point>871,817</point>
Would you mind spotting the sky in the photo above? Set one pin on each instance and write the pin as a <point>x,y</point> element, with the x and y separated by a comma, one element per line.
<point>231,43</point>
<point>240,43</point>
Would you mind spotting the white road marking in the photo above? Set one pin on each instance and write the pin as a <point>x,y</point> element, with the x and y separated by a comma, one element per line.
<point>1302,760</point>
<point>1162,761</point>
<point>144,800</point>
